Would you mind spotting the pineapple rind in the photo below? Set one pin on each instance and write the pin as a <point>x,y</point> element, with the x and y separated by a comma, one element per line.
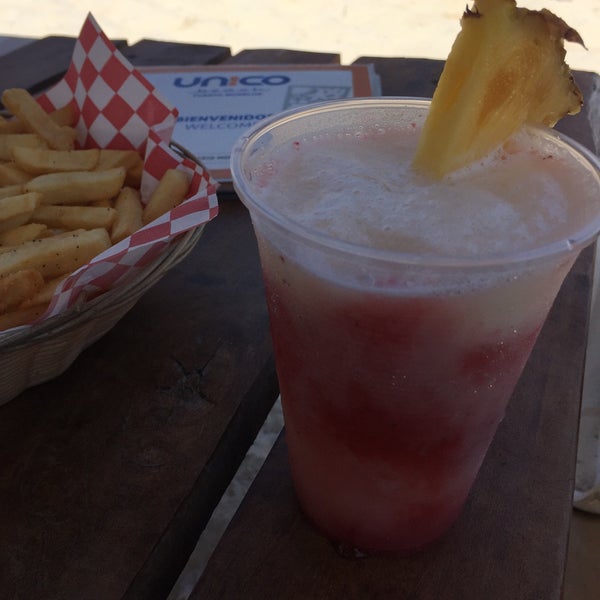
<point>505,69</point>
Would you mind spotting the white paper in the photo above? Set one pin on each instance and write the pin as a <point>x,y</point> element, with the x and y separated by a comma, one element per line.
<point>216,106</point>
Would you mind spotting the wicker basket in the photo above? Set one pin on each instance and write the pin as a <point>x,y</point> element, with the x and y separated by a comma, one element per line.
<point>46,350</point>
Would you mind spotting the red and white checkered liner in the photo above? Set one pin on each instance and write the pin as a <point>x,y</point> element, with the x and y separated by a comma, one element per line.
<point>118,108</point>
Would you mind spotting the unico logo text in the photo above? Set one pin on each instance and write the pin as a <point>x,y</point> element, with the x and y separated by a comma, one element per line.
<point>233,80</point>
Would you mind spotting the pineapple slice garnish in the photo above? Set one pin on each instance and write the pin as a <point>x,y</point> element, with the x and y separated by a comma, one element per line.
<point>506,68</point>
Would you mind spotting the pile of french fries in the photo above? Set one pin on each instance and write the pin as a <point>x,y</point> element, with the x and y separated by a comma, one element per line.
<point>60,206</point>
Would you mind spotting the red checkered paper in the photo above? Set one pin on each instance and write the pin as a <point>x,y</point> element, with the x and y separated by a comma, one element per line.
<point>118,108</point>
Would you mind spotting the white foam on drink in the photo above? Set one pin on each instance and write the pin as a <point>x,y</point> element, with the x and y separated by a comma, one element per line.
<point>358,186</point>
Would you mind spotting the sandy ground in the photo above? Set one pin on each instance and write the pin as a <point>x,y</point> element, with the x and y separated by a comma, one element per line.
<point>350,27</point>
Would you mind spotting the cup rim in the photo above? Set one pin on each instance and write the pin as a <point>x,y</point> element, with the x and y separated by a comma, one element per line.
<point>564,246</point>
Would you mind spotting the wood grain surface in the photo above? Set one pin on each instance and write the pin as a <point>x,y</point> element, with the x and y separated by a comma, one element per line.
<point>510,542</point>
<point>109,473</point>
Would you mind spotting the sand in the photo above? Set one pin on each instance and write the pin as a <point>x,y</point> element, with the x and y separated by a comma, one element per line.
<point>350,27</point>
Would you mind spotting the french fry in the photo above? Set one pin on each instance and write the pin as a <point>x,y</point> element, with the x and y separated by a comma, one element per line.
<point>77,187</point>
<point>134,175</point>
<point>12,190</point>
<point>11,125</point>
<point>169,193</point>
<point>17,210</point>
<point>105,203</point>
<point>44,295</point>
<point>110,158</point>
<point>25,107</point>
<point>74,217</point>
<point>129,209</point>
<point>64,116</point>
<point>16,288</point>
<point>23,233</point>
<point>10,174</point>
<point>61,206</point>
<point>10,141</point>
<point>21,316</point>
<point>130,159</point>
<point>56,255</point>
<point>44,160</point>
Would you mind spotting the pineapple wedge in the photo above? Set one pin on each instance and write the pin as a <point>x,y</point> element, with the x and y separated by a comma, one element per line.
<point>505,69</point>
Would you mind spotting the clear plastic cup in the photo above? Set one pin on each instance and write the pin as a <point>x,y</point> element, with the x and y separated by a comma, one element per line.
<point>395,367</point>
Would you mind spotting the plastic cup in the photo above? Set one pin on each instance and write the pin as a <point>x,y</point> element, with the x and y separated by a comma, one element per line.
<point>395,368</point>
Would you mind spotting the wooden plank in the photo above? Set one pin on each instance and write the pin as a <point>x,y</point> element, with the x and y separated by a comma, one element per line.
<point>151,52</point>
<point>98,464</point>
<point>406,76</point>
<point>282,56</point>
<point>419,76</point>
<point>582,581</point>
<point>10,43</point>
<point>110,472</point>
<point>585,127</point>
<point>38,65</point>
<point>160,404</point>
<point>510,540</point>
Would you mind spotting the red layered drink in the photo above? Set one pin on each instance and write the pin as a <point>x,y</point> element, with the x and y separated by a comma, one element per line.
<point>402,309</point>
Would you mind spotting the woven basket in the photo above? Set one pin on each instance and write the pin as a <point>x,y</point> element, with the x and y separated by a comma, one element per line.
<point>46,350</point>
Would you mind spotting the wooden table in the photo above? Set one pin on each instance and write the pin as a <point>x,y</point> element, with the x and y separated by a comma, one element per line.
<point>110,472</point>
